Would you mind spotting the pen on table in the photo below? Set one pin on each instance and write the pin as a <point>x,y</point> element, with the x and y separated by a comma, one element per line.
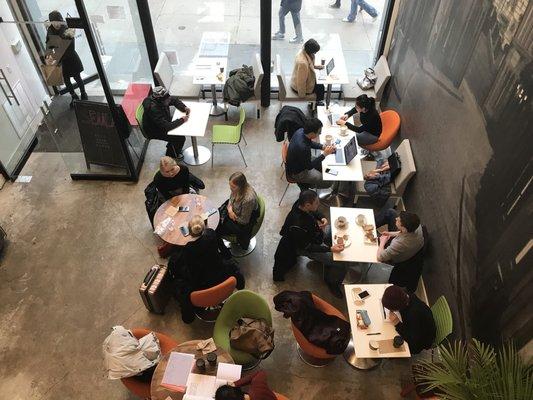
<point>372,334</point>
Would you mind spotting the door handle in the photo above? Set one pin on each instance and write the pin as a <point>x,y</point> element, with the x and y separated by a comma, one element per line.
<point>13,95</point>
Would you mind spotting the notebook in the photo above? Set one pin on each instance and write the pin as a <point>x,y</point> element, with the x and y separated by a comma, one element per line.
<point>177,372</point>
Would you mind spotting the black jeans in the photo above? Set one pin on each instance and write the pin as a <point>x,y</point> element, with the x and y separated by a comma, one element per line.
<point>230,227</point>
<point>70,88</point>
<point>174,145</point>
<point>319,90</point>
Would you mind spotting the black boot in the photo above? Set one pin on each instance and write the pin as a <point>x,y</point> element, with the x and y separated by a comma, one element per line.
<point>74,97</point>
<point>84,96</point>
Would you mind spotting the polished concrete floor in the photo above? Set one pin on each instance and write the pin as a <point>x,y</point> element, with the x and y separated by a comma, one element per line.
<point>78,251</point>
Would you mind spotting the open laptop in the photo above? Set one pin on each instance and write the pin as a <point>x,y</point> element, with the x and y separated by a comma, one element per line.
<point>329,67</point>
<point>345,153</point>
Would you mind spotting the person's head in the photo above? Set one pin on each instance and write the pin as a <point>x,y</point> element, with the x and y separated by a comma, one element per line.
<point>227,392</point>
<point>363,103</point>
<point>395,298</point>
<point>161,95</point>
<point>312,127</point>
<point>407,222</point>
<point>196,226</point>
<point>311,47</point>
<point>168,167</point>
<point>308,200</point>
<point>238,184</point>
<point>56,19</point>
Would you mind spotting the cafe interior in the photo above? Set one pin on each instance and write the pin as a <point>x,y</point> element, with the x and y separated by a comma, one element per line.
<point>299,260</point>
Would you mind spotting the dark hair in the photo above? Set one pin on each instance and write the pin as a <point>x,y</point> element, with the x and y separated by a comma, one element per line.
<point>364,101</point>
<point>312,125</point>
<point>395,298</point>
<point>409,220</point>
<point>311,46</point>
<point>55,16</point>
<point>307,197</point>
<point>227,392</point>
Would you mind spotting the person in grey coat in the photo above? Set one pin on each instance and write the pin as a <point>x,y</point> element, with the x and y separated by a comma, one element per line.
<point>293,7</point>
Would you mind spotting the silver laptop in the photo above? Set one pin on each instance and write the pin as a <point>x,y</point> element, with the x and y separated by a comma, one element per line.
<point>345,153</point>
<point>329,67</point>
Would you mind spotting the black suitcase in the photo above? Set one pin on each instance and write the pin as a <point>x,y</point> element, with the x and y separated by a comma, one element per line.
<point>156,289</point>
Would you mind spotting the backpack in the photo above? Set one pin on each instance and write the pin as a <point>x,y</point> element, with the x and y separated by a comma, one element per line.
<point>152,202</point>
<point>253,336</point>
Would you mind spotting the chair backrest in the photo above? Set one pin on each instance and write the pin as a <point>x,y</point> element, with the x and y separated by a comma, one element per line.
<point>443,319</point>
<point>260,217</point>
<point>408,169</point>
<point>383,75</point>
<point>139,115</point>
<point>258,74</point>
<point>282,91</point>
<point>279,396</point>
<point>284,151</point>
<point>327,308</point>
<point>243,303</point>
<point>163,71</point>
<point>215,295</point>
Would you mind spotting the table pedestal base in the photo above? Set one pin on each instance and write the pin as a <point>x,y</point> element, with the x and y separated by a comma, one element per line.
<point>203,156</point>
<point>359,363</point>
<point>217,110</point>
<point>238,251</point>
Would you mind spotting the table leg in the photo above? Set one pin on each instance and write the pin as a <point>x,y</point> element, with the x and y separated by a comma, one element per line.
<point>328,94</point>
<point>359,363</point>
<point>216,110</point>
<point>196,155</point>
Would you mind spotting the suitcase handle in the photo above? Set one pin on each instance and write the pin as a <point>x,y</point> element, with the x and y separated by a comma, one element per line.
<point>150,275</point>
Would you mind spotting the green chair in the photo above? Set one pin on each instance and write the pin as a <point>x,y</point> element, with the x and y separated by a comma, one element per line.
<point>139,114</point>
<point>229,134</point>
<point>443,321</point>
<point>243,303</point>
<point>231,240</point>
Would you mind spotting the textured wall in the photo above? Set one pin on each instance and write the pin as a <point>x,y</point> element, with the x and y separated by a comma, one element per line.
<point>462,82</point>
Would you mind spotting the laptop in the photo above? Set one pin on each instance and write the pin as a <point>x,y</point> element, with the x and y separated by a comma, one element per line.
<point>329,67</point>
<point>345,153</point>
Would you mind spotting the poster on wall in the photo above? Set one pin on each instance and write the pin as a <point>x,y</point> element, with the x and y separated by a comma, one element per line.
<point>99,136</point>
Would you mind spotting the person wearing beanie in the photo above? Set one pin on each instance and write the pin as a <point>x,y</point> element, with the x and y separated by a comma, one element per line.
<point>157,120</point>
<point>411,317</point>
<point>69,60</point>
<point>303,80</point>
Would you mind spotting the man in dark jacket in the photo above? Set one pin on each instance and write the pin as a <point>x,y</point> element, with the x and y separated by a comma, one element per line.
<point>293,7</point>
<point>288,121</point>
<point>157,119</point>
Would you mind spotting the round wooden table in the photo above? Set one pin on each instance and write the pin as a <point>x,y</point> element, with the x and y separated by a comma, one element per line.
<point>182,218</point>
<point>158,392</point>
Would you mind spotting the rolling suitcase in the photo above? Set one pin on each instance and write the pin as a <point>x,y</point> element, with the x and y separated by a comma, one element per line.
<point>156,289</point>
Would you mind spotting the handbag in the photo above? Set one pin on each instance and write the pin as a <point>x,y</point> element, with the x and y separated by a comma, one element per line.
<point>395,165</point>
<point>53,74</point>
<point>253,336</point>
<point>369,80</point>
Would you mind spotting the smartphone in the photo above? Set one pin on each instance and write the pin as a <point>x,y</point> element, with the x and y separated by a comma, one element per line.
<point>363,295</point>
<point>332,172</point>
<point>184,230</point>
<point>183,208</point>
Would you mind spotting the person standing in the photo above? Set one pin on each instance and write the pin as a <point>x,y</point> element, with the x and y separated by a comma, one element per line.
<point>364,6</point>
<point>69,61</point>
<point>303,79</point>
<point>293,7</point>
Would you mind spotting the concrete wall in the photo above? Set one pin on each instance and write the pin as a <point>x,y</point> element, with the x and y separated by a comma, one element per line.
<point>462,82</point>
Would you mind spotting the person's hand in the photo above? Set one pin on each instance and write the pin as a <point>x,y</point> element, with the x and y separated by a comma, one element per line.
<point>337,248</point>
<point>323,223</point>
<point>370,175</point>
<point>345,117</point>
<point>393,318</point>
<point>329,150</point>
<point>341,122</point>
<point>386,233</point>
<point>185,118</point>
<point>383,239</point>
<point>231,384</point>
<point>319,67</point>
<point>187,111</point>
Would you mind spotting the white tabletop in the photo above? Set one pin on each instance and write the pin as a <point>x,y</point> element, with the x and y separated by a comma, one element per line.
<point>207,71</point>
<point>351,172</point>
<point>197,122</point>
<point>214,44</point>
<point>373,306</point>
<point>358,250</point>
<point>331,47</point>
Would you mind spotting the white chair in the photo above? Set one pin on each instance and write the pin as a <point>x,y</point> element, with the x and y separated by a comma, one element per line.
<point>285,93</point>
<point>177,85</point>
<point>407,171</point>
<point>352,90</point>
<point>258,74</point>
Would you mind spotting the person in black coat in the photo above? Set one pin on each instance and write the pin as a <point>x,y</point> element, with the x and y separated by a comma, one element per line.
<point>288,121</point>
<point>199,265</point>
<point>174,179</point>
<point>293,7</point>
<point>157,119</point>
<point>417,326</point>
<point>70,60</point>
<point>370,129</point>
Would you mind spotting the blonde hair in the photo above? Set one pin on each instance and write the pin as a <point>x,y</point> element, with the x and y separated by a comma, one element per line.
<point>238,179</point>
<point>196,226</point>
<point>167,161</point>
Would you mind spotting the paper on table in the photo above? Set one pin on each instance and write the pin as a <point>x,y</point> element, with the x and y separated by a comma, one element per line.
<point>228,372</point>
<point>177,371</point>
<point>171,211</point>
<point>201,386</point>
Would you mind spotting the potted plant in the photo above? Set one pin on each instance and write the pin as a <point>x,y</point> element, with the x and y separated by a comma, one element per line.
<point>476,371</point>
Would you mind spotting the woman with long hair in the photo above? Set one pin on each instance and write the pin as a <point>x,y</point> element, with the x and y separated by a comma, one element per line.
<point>240,211</point>
<point>370,129</point>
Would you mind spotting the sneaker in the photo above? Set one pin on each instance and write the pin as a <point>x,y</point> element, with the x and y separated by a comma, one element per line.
<point>335,5</point>
<point>346,20</point>
<point>296,40</point>
<point>278,36</point>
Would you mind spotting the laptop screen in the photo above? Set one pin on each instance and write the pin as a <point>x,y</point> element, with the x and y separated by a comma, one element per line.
<point>350,150</point>
<point>330,66</point>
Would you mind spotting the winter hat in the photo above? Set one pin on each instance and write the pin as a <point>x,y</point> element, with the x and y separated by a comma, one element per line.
<point>159,92</point>
<point>55,16</point>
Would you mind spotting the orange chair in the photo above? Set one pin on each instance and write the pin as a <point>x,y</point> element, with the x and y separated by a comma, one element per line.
<point>308,352</point>
<point>284,151</point>
<point>142,389</point>
<point>209,301</point>
<point>390,121</point>
<point>280,396</point>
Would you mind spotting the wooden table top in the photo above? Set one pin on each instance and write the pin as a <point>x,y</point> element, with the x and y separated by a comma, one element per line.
<point>158,392</point>
<point>182,218</point>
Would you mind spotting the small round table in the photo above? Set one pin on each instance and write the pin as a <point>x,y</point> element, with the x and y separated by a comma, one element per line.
<point>158,392</point>
<point>182,218</point>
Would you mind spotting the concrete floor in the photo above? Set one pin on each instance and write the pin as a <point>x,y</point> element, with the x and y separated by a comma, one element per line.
<point>78,251</point>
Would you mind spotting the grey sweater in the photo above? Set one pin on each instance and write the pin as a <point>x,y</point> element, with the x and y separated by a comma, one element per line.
<point>243,209</point>
<point>403,247</point>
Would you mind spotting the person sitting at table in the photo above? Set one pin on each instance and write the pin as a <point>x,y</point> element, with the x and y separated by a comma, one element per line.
<point>309,235</point>
<point>403,239</point>
<point>301,167</point>
<point>370,129</point>
<point>173,179</point>
<point>303,80</point>
<point>199,265</point>
<point>416,324</point>
<point>239,213</point>
<point>259,389</point>
<point>157,119</point>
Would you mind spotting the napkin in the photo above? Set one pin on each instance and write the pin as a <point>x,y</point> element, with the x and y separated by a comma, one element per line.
<point>207,346</point>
